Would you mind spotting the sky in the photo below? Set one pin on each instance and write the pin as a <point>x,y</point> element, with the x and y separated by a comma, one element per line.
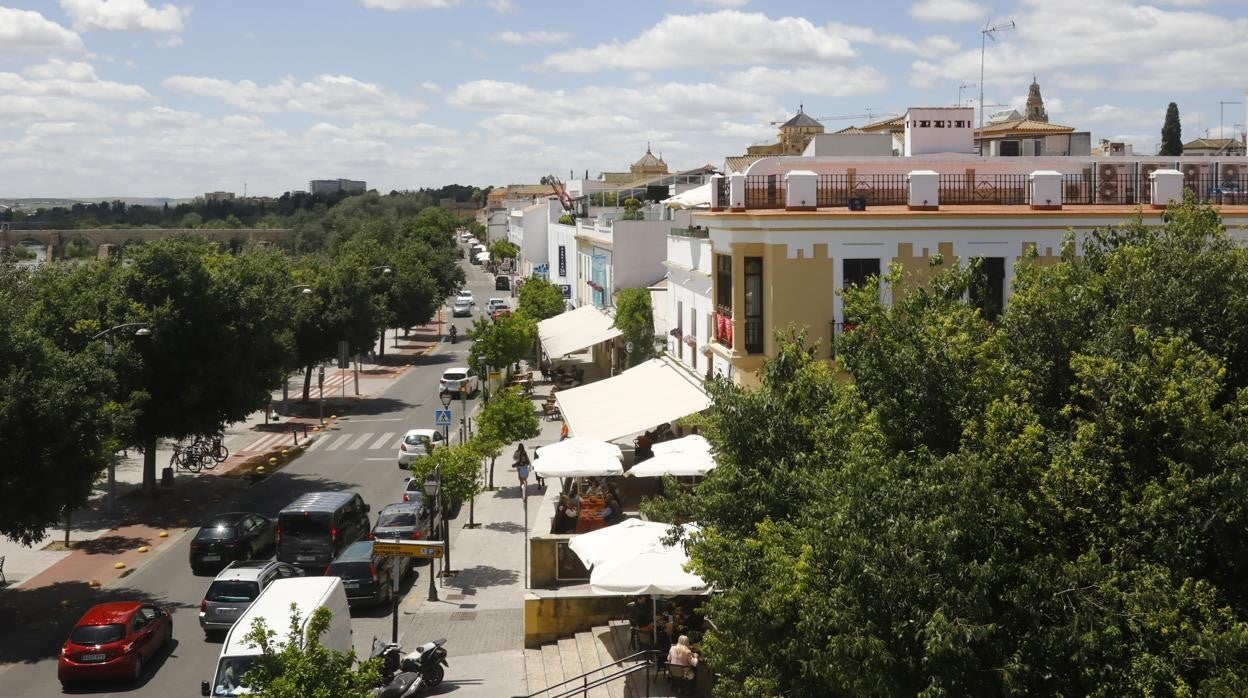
<point>142,98</point>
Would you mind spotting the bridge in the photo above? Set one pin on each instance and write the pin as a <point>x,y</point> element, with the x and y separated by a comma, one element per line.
<point>104,240</point>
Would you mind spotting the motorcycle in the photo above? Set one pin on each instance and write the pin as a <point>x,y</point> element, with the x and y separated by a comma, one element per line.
<point>404,676</point>
<point>454,333</point>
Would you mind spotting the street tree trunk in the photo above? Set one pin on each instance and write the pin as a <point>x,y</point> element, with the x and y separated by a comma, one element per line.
<point>149,466</point>
<point>307,382</point>
<point>381,350</point>
<point>492,459</point>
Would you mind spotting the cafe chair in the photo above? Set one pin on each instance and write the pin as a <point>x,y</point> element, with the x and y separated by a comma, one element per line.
<point>681,677</point>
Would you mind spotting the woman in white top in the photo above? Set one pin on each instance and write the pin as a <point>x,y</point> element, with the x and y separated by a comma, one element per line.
<point>682,656</point>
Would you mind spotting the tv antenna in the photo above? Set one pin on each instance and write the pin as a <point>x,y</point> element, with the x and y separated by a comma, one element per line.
<point>988,32</point>
<point>962,87</point>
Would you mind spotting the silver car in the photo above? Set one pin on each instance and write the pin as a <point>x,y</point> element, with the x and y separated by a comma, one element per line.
<point>235,588</point>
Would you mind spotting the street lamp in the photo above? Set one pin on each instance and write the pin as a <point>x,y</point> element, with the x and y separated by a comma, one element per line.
<point>446,398</point>
<point>433,487</point>
<point>145,330</point>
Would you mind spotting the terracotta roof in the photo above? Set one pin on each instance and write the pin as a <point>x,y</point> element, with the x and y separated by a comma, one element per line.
<point>1216,143</point>
<point>1023,126</point>
<point>740,163</point>
<point>850,130</point>
<point>649,160</point>
<point>897,122</point>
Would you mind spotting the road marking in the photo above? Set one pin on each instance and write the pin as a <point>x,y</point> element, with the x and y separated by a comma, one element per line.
<point>360,441</point>
<point>264,443</point>
<point>338,442</point>
<point>398,443</point>
<point>376,419</point>
<point>378,459</point>
<point>381,441</point>
<point>318,442</point>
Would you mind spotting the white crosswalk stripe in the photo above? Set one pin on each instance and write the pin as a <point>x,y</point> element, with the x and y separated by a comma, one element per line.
<point>318,442</point>
<point>381,441</point>
<point>265,443</point>
<point>360,441</point>
<point>338,442</point>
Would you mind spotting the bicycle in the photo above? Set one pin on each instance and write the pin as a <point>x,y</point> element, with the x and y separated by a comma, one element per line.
<point>185,458</point>
<point>215,448</point>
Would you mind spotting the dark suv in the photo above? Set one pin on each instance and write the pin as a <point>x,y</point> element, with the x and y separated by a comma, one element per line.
<point>314,528</point>
<point>368,578</point>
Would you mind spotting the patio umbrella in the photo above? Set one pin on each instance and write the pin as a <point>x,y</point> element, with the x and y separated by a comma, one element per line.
<point>597,546</point>
<point>694,443</point>
<point>580,447</point>
<point>577,465</point>
<point>690,456</point>
<point>659,570</point>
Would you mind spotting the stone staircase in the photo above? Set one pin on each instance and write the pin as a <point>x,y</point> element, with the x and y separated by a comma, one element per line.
<point>593,651</point>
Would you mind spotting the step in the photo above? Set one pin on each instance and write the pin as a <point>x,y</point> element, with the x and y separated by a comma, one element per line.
<point>601,636</point>
<point>570,658</point>
<point>534,672</point>
<point>587,648</point>
<point>553,664</point>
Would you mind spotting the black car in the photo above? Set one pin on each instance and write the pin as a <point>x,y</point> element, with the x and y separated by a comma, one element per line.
<point>224,538</point>
<point>367,578</point>
<point>502,283</point>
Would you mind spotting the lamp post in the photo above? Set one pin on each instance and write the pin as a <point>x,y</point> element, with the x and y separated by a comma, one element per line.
<point>144,330</point>
<point>463,412</point>
<point>433,486</point>
<point>305,290</point>
<point>446,398</point>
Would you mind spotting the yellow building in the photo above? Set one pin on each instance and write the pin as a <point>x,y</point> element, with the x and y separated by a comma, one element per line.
<point>771,269</point>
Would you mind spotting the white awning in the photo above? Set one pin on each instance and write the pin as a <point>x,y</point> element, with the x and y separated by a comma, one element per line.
<point>698,197</point>
<point>636,400</point>
<point>575,330</point>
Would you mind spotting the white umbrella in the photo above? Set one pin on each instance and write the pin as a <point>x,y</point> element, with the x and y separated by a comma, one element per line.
<point>577,465</point>
<point>579,446</point>
<point>483,256</point>
<point>694,443</point>
<point>655,571</point>
<point>596,546</point>
<point>676,464</point>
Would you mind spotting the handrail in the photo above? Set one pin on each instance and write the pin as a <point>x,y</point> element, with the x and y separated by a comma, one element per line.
<point>648,658</point>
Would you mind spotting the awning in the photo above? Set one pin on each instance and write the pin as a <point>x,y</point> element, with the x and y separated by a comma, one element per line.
<point>636,400</point>
<point>698,197</point>
<point>575,330</point>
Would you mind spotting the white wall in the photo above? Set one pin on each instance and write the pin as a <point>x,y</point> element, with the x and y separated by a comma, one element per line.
<point>689,292</point>
<point>533,249</point>
<point>923,136</point>
<point>560,235</point>
<point>638,251</point>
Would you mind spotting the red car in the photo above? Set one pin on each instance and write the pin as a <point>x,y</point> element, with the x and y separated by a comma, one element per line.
<point>113,641</point>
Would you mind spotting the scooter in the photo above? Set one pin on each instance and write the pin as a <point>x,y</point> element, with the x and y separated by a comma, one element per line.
<point>405,676</point>
<point>453,333</point>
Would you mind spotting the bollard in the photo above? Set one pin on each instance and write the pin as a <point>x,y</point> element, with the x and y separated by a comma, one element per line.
<point>294,431</point>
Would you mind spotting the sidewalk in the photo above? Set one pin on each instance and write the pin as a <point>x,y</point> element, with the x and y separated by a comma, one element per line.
<point>481,609</point>
<point>101,536</point>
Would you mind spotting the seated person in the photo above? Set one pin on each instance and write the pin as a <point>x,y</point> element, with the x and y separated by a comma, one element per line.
<point>682,662</point>
<point>612,512</point>
<point>639,614</point>
<point>565,516</point>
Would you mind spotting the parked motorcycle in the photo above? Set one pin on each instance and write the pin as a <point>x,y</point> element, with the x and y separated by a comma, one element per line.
<point>405,676</point>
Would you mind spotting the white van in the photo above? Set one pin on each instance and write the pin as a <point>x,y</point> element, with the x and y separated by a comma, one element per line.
<point>273,605</point>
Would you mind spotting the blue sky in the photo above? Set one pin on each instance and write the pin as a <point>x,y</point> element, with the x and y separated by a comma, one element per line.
<point>142,98</point>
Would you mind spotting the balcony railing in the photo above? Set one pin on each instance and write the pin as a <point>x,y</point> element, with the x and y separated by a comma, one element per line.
<point>1003,189</point>
<point>701,233</point>
<point>724,191</point>
<point>833,190</point>
<point>723,326</point>
<point>764,191</point>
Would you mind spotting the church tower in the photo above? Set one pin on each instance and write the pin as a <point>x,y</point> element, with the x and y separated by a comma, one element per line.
<point>1035,103</point>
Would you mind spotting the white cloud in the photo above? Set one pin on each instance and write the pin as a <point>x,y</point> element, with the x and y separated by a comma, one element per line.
<point>27,29</point>
<point>124,15</point>
<point>834,81</point>
<point>409,4</point>
<point>947,10</point>
<point>500,6</point>
<point>931,45</point>
<point>170,41</point>
<point>72,80</point>
<point>728,37</point>
<point>724,3</point>
<point>1142,52</point>
<point>533,37</point>
<point>324,94</point>
<point>431,86</point>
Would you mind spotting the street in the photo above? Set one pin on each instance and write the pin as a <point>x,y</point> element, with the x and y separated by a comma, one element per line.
<point>358,453</point>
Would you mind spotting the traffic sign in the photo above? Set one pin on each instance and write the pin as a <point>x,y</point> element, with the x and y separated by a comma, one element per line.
<point>442,418</point>
<point>409,548</point>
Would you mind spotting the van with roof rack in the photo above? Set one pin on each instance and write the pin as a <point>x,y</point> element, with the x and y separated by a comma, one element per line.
<point>316,527</point>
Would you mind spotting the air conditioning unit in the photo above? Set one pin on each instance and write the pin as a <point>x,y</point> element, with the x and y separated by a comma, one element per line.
<point>1107,184</point>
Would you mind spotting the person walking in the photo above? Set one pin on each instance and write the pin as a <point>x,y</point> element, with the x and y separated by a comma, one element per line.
<point>520,461</point>
<point>563,430</point>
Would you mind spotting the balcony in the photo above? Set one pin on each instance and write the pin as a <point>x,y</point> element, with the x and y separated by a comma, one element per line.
<point>723,326</point>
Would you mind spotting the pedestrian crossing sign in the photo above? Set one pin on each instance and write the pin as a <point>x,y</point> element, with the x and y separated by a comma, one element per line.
<point>442,418</point>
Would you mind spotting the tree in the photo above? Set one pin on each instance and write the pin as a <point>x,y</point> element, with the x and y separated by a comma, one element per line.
<point>632,210</point>
<point>566,219</point>
<point>503,249</point>
<point>508,417</point>
<point>540,299</point>
<point>634,317</point>
<point>297,665</point>
<point>1062,517</point>
<point>1171,132</point>
<point>501,342</point>
<point>460,466</point>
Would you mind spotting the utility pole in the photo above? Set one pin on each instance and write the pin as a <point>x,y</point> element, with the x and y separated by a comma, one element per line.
<point>1222,119</point>
<point>963,86</point>
<point>988,32</point>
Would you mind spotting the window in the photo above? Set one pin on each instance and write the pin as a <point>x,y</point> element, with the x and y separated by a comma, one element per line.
<point>856,272</point>
<point>1011,149</point>
<point>693,333</point>
<point>988,289</point>
<point>754,305</point>
<point>723,282</point>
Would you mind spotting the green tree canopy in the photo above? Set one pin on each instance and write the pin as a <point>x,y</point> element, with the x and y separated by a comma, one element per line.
<point>502,342</point>
<point>301,667</point>
<point>540,299</point>
<point>460,466</point>
<point>634,317</point>
<point>1060,514</point>
<point>503,249</point>
<point>508,417</point>
<point>1171,132</point>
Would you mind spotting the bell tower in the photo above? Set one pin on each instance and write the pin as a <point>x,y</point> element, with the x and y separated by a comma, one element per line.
<point>1035,103</point>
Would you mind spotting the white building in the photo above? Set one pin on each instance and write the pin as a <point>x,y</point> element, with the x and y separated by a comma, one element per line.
<point>690,317</point>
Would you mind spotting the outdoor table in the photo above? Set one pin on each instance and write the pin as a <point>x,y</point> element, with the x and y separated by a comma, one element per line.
<point>590,516</point>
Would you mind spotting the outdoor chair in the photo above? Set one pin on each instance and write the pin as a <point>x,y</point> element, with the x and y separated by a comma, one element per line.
<point>679,679</point>
<point>3,580</point>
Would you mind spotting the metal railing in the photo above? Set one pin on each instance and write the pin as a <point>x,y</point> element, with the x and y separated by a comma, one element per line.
<point>764,191</point>
<point>701,233</point>
<point>1002,189</point>
<point>646,659</point>
<point>724,192</point>
<point>833,190</point>
<point>723,326</point>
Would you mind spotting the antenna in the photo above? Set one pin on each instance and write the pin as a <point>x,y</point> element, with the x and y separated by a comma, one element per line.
<point>962,87</point>
<point>988,32</point>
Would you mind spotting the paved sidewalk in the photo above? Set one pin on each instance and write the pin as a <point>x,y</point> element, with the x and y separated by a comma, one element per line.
<point>481,609</point>
<point>102,535</point>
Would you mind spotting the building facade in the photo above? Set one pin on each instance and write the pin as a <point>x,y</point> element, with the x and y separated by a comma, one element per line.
<point>326,187</point>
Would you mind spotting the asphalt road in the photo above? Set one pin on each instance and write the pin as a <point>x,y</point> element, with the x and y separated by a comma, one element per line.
<point>406,403</point>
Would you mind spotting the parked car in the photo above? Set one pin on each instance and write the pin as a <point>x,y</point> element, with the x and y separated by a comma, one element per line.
<point>314,528</point>
<point>455,377</point>
<point>408,520</point>
<point>461,308</point>
<point>224,538</point>
<point>235,588</point>
<point>368,578</point>
<point>416,444</point>
<point>499,312</point>
<point>113,641</point>
<point>466,295</point>
<point>493,303</point>
<point>502,283</point>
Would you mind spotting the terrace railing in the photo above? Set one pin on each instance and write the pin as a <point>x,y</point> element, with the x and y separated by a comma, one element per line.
<point>832,190</point>
<point>764,191</point>
<point>1001,189</point>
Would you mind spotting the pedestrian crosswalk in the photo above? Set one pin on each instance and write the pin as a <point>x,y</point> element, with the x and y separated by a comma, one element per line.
<point>356,441</point>
<point>336,380</point>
